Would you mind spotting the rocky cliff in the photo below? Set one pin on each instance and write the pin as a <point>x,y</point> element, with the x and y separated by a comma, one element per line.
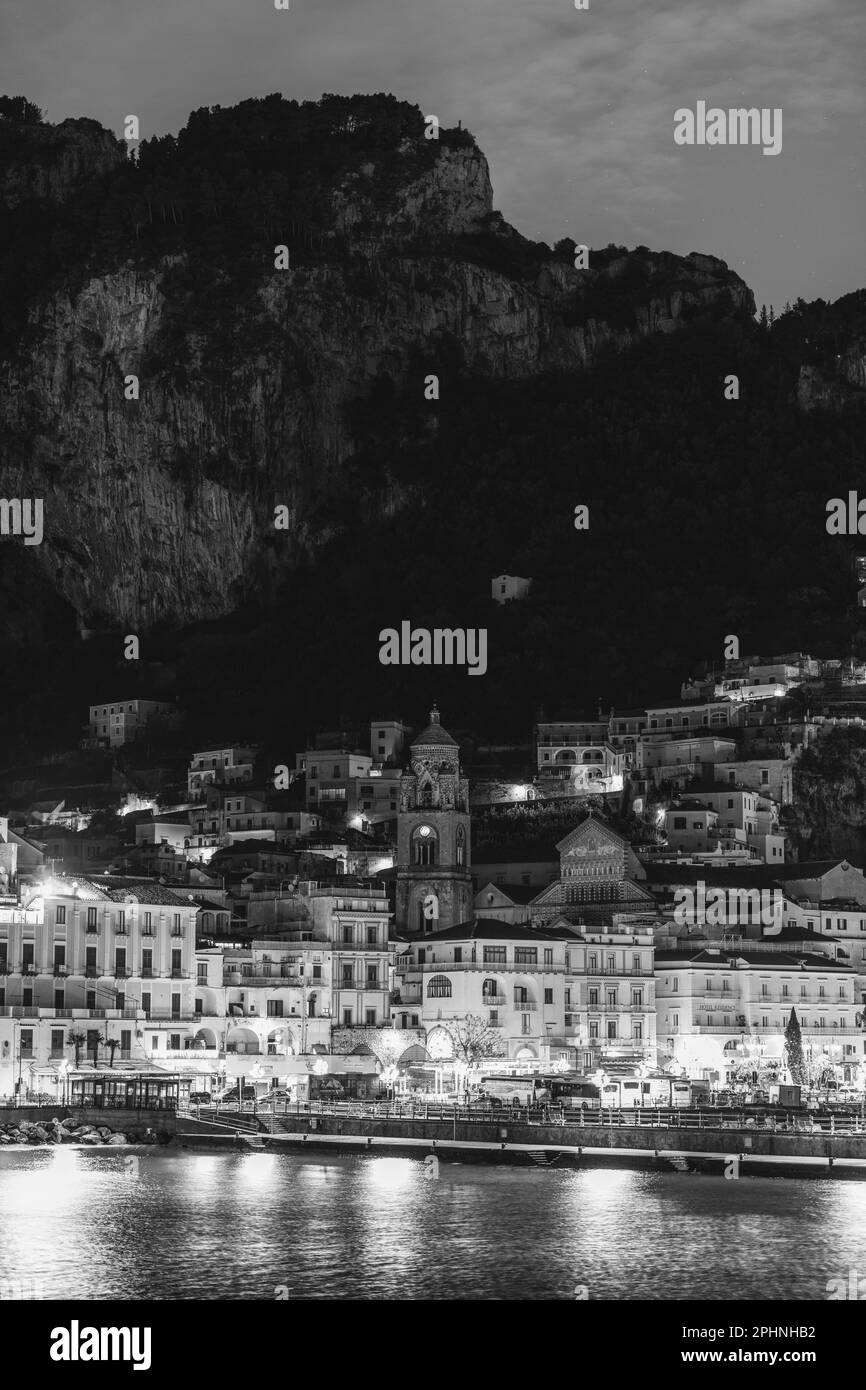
<point>162,507</point>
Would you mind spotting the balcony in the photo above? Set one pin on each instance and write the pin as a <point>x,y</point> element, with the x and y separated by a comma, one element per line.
<point>169,1016</point>
<point>91,972</point>
<point>6,968</point>
<point>493,1001</point>
<point>525,1006</point>
<point>178,974</point>
<point>92,931</point>
<point>122,972</point>
<point>61,971</point>
<point>490,967</point>
<point>642,974</point>
<point>148,973</point>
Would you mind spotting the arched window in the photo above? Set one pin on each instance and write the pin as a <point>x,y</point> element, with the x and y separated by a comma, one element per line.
<point>461,846</point>
<point>439,987</point>
<point>425,845</point>
<point>489,989</point>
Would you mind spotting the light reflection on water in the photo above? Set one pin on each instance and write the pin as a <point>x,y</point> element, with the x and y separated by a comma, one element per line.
<point>180,1225</point>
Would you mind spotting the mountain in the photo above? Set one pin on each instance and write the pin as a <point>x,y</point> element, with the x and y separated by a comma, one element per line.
<point>305,388</point>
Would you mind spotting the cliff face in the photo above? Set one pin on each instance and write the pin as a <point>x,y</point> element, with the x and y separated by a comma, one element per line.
<point>49,162</point>
<point>162,507</point>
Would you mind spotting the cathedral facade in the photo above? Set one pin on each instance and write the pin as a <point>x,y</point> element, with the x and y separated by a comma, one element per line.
<point>434,885</point>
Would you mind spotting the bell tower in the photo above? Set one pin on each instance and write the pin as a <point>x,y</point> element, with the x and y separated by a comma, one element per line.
<point>434,886</point>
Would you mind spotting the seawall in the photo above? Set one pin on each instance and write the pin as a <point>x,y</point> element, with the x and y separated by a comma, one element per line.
<point>506,1141</point>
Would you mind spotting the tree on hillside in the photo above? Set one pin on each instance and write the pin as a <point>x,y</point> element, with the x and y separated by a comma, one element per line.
<point>794,1051</point>
<point>21,110</point>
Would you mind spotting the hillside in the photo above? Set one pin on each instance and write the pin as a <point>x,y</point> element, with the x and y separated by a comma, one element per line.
<point>306,388</point>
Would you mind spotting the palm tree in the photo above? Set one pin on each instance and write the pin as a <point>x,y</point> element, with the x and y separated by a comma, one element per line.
<point>77,1040</point>
<point>112,1044</point>
<point>95,1040</point>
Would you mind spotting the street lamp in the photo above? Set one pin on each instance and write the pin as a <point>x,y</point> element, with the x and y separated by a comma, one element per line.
<point>63,1072</point>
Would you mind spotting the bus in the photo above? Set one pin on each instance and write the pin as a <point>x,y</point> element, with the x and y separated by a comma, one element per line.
<point>626,1092</point>
<point>571,1092</point>
<point>508,1090</point>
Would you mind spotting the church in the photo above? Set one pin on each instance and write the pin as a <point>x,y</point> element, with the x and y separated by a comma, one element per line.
<point>599,875</point>
<point>433,882</point>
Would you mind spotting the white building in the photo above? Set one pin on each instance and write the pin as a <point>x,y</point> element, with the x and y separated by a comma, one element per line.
<point>718,1009</point>
<point>220,766</point>
<point>509,588</point>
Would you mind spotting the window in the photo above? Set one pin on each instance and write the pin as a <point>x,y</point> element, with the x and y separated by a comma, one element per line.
<point>637,998</point>
<point>370,1017</point>
<point>593,1029</point>
<point>593,998</point>
<point>347,935</point>
<point>26,1048</point>
<point>347,974</point>
<point>548,955</point>
<point>201,972</point>
<point>60,916</point>
<point>611,998</point>
<point>494,955</point>
<point>548,996</point>
<point>372,977</point>
<point>372,936</point>
<point>424,845</point>
<point>91,918</point>
<point>637,1030</point>
<point>439,987</point>
<point>676,985</point>
<point>611,1029</point>
<point>461,846</point>
<point>148,924</point>
<point>347,1018</point>
<point>526,955</point>
<point>275,1008</point>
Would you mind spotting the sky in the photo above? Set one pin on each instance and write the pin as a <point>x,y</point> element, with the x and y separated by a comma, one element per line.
<point>573,108</point>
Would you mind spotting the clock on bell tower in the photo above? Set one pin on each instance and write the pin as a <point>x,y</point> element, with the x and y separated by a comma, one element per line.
<point>434,886</point>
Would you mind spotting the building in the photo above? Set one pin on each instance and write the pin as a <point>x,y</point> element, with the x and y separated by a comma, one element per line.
<point>486,989</point>
<point>350,785</point>
<point>509,588</point>
<point>87,970</point>
<point>719,1010</point>
<point>220,767</point>
<point>609,995</point>
<point>115,724</point>
<point>599,875</point>
<point>433,882</point>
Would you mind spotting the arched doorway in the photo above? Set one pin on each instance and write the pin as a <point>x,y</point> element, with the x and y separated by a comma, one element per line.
<point>242,1040</point>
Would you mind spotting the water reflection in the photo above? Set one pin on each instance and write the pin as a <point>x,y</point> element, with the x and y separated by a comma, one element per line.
<point>239,1226</point>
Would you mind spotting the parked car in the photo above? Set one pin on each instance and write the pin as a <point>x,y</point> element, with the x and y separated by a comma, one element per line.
<point>199,1098</point>
<point>230,1097</point>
